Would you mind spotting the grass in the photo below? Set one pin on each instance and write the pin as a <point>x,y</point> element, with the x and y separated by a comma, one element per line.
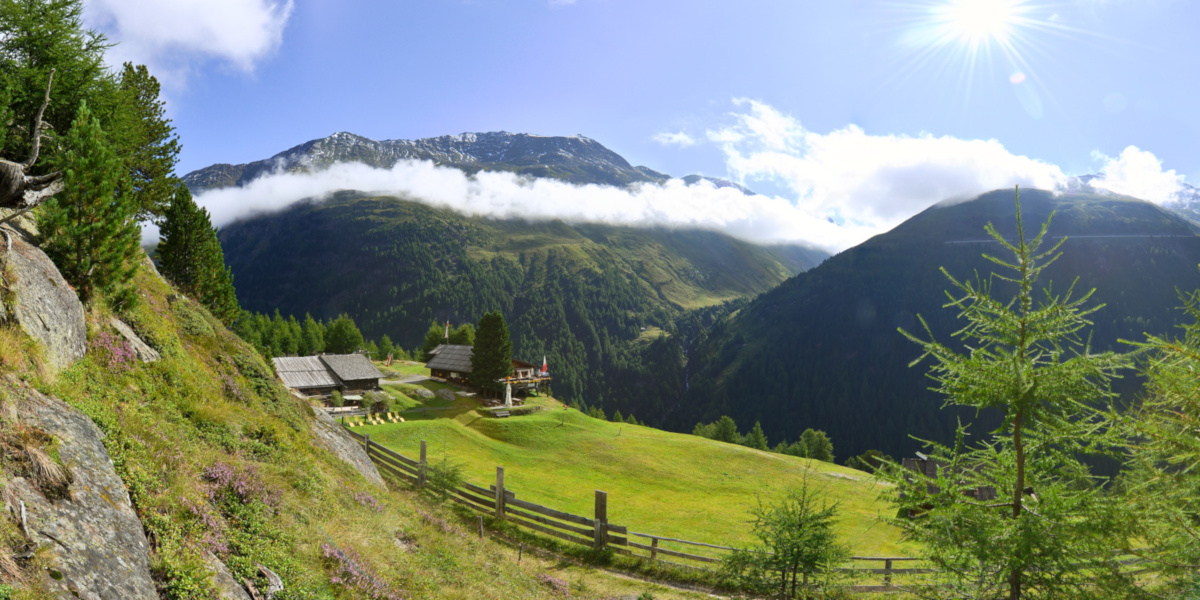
<point>657,482</point>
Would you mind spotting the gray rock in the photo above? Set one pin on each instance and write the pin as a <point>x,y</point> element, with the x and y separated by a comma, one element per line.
<point>333,437</point>
<point>143,350</point>
<point>95,540</point>
<point>424,393</point>
<point>227,585</point>
<point>446,394</point>
<point>44,305</point>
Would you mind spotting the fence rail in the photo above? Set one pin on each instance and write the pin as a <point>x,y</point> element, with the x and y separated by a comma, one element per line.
<point>594,531</point>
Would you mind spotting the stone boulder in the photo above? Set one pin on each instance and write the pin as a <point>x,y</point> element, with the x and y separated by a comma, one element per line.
<point>143,350</point>
<point>446,394</point>
<point>95,541</point>
<point>423,392</point>
<point>334,438</point>
<point>43,304</point>
<point>227,585</point>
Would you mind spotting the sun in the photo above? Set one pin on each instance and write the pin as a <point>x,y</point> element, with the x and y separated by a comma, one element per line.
<point>980,21</point>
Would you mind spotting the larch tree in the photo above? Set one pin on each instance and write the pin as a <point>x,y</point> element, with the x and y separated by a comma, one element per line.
<point>1018,514</point>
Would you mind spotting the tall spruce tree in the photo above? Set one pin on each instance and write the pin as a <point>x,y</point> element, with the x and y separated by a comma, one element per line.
<point>342,336</point>
<point>191,257</point>
<point>147,141</point>
<point>491,358</point>
<point>1050,530</point>
<point>89,229</point>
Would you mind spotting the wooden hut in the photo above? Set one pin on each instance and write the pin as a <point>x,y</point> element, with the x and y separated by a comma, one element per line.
<point>354,372</point>
<point>305,374</point>
<point>452,362</point>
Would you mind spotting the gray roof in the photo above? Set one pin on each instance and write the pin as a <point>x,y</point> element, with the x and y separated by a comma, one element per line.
<point>452,358</point>
<point>303,372</point>
<point>351,367</point>
<point>436,349</point>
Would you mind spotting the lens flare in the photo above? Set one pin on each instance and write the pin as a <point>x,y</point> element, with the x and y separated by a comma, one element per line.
<point>981,21</point>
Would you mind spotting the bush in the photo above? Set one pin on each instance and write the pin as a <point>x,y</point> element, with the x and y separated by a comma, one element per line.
<point>336,399</point>
<point>379,402</point>
<point>442,477</point>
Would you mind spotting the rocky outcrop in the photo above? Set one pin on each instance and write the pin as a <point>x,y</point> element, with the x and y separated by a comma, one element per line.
<point>97,547</point>
<point>42,302</point>
<point>333,437</point>
<point>446,394</point>
<point>143,350</point>
<point>227,585</point>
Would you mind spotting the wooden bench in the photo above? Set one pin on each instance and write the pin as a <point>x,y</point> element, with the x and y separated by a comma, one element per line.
<point>502,414</point>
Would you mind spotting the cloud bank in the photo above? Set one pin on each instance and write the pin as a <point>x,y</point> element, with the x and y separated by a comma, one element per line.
<point>167,35</point>
<point>841,187</point>
<point>1138,173</point>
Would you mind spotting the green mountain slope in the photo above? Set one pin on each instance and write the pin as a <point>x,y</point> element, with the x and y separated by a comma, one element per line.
<point>579,294</point>
<point>822,350</point>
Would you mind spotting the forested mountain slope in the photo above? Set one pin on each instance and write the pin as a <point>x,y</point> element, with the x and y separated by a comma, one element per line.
<point>580,294</point>
<point>822,350</point>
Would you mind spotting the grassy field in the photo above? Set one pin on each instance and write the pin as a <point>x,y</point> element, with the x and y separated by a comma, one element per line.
<point>657,482</point>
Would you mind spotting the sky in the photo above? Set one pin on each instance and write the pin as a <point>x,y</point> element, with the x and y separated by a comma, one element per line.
<point>848,116</point>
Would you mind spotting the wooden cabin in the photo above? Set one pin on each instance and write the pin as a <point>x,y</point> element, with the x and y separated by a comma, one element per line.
<point>451,362</point>
<point>930,468</point>
<point>321,375</point>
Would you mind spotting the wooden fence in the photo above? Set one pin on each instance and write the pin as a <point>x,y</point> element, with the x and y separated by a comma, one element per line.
<point>596,531</point>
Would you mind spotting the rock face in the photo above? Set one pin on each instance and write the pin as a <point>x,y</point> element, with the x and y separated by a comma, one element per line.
<point>333,437</point>
<point>227,585</point>
<point>98,547</point>
<point>43,304</point>
<point>143,350</point>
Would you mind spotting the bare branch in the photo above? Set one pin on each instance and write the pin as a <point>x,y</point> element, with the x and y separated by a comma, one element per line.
<point>33,197</point>
<point>37,126</point>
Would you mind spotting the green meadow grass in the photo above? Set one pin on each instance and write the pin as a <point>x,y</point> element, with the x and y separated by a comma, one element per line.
<point>662,483</point>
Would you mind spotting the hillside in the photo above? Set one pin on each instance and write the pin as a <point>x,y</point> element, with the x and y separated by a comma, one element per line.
<point>579,294</point>
<point>224,471</point>
<point>669,484</point>
<point>822,350</point>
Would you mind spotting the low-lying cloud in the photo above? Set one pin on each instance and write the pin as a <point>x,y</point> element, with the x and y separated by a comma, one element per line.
<point>840,187</point>
<point>506,195</point>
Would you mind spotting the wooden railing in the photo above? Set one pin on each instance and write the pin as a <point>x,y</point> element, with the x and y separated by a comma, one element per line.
<point>596,531</point>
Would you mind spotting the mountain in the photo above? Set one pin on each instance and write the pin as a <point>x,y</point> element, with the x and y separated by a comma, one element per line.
<point>822,349</point>
<point>588,296</point>
<point>575,159</point>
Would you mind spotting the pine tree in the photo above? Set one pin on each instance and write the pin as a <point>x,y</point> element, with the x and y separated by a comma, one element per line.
<point>756,438</point>
<point>491,358</point>
<point>191,257</point>
<point>464,335</point>
<point>725,430</point>
<point>145,138</point>
<point>1050,530</point>
<point>386,348</point>
<point>434,337</point>
<point>88,229</point>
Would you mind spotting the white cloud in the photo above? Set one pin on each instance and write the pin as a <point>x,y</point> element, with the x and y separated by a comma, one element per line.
<point>1137,173</point>
<point>505,195</point>
<point>873,181</point>
<point>681,139</point>
<point>168,35</point>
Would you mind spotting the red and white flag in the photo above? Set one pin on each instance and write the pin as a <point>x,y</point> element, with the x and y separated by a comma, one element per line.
<point>545,368</point>
<point>389,359</point>
<point>447,335</point>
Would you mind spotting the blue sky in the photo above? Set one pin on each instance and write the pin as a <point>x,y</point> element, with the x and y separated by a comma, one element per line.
<point>779,94</point>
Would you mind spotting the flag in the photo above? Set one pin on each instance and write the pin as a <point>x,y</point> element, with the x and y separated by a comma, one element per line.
<point>545,367</point>
<point>447,336</point>
<point>389,359</point>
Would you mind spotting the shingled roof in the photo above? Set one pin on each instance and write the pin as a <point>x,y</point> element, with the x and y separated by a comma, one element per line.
<point>303,372</point>
<point>351,367</point>
<point>452,358</point>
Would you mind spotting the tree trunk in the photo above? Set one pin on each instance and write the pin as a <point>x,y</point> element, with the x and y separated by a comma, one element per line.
<point>1014,576</point>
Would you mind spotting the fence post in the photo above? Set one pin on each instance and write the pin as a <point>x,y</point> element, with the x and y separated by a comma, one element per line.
<point>367,443</point>
<point>422,467</point>
<point>500,493</point>
<point>601,539</point>
<point>887,572</point>
<point>653,548</point>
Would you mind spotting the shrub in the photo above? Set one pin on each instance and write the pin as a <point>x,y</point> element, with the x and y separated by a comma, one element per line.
<point>336,399</point>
